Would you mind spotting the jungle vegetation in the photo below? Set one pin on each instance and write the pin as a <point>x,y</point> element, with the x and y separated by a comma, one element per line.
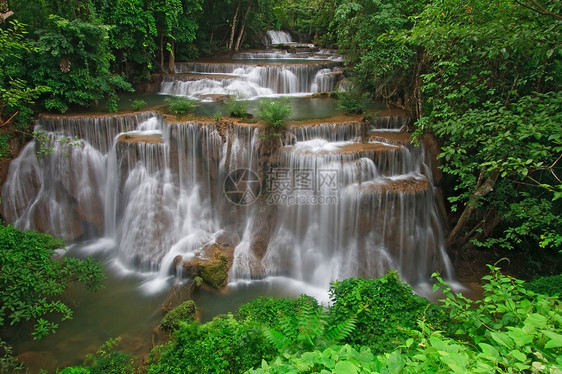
<point>483,77</point>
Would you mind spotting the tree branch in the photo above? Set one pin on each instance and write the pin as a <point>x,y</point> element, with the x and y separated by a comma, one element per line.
<point>536,7</point>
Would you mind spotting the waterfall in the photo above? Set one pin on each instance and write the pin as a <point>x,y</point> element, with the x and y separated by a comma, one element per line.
<point>278,37</point>
<point>331,207</point>
<point>250,81</point>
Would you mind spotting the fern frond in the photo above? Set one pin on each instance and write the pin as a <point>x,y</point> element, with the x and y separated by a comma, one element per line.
<point>341,330</point>
<point>276,338</point>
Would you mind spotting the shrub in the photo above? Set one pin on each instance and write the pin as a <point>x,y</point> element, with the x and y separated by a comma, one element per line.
<point>223,345</point>
<point>352,102</point>
<point>106,360</point>
<point>546,285</point>
<point>137,104</point>
<point>183,312</point>
<point>268,311</point>
<point>31,281</point>
<point>274,114</point>
<point>180,105</point>
<point>236,108</point>
<point>384,310</point>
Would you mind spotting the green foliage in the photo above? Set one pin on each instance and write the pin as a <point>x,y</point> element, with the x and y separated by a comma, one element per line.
<point>180,105</point>
<point>17,95</point>
<point>384,309</point>
<point>269,311</point>
<point>274,114</point>
<point>382,65</point>
<point>4,145</point>
<point>138,104</point>
<point>353,102</point>
<point>132,37</point>
<point>73,61</point>
<point>183,312</point>
<point>510,327</point>
<point>106,360</point>
<point>510,330</point>
<point>491,92</point>
<point>223,345</point>
<point>8,363</point>
<point>308,330</point>
<point>335,359</point>
<point>546,285</point>
<point>235,107</point>
<point>31,281</point>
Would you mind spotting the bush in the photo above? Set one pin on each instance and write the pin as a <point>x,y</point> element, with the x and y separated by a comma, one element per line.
<point>274,114</point>
<point>223,345</point>
<point>137,104</point>
<point>107,360</point>
<point>352,102</point>
<point>384,310</point>
<point>183,312</point>
<point>236,108</point>
<point>510,330</point>
<point>268,311</point>
<point>31,281</point>
<point>546,285</point>
<point>180,105</point>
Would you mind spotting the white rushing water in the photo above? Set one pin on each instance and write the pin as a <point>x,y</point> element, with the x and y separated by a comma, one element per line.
<point>150,194</point>
<point>275,74</point>
<point>156,193</point>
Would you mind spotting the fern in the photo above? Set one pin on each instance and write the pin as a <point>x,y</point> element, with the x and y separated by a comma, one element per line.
<point>341,330</point>
<point>308,330</point>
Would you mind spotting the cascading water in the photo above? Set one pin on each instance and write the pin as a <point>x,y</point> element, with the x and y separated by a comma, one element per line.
<point>276,73</point>
<point>331,208</point>
<point>335,202</point>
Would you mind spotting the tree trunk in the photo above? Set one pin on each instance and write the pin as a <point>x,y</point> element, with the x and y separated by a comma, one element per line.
<point>233,31</point>
<point>482,189</point>
<point>161,51</point>
<point>242,29</point>
<point>172,58</point>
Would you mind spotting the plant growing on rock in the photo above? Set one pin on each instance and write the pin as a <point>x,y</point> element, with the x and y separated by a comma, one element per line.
<point>137,104</point>
<point>235,107</point>
<point>180,105</point>
<point>274,114</point>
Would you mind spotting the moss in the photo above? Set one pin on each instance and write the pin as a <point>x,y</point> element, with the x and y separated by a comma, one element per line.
<point>183,312</point>
<point>215,271</point>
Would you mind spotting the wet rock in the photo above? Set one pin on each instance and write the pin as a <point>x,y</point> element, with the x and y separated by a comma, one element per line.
<point>183,312</point>
<point>212,264</point>
<point>34,361</point>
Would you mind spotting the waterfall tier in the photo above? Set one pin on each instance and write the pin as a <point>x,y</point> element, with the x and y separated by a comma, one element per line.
<point>330,207</point>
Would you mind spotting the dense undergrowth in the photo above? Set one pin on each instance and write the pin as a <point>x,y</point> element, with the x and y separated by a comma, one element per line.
<point>370,326</point>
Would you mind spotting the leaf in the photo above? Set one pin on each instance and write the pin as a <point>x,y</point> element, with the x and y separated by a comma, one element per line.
<point>555,339</point>
<point>502,338</point>
<point>346,367</point>
<point>518,355</point>
<point>489,351</point>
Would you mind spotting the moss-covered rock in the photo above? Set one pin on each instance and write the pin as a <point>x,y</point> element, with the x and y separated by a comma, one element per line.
<point>212,264</point>
<point>183,312</point>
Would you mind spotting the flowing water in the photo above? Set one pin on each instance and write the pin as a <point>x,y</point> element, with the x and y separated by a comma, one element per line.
<point>143,193</point>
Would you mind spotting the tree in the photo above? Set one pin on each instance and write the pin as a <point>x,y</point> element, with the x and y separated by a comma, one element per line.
<point>490,95</point>
<point>384,66</point>
<point>132,37</point>
<point>17,96</point>
<point>73,60</point>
